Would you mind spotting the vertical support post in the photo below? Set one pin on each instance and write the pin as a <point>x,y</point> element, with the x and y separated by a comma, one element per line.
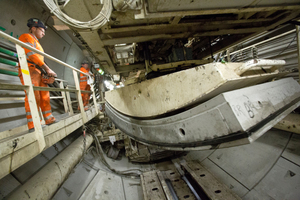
<point>147,56</point>
<point>210,48</point>
<point>228,55</point>
<point>101,88</point>
<point>69,102</point>
<point>63,94</point>
<point>94,99</point>
<point>218,56</point>
<point>79,98</point>
<point>298,48</point>
<point>147,65</point>
<point>41,116</point>
<point>31,98</point>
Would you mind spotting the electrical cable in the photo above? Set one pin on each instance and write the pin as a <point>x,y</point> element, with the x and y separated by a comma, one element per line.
<point>100,20</point>
<point>127,173</point>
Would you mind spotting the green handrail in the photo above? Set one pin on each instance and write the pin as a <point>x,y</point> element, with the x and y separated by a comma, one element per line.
<point>3,71</point>
<point>8,62</point>
<point>8,52</point>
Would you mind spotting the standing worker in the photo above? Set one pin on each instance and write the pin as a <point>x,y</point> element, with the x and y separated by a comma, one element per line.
<point>40,73</point>
<point>84,84</point>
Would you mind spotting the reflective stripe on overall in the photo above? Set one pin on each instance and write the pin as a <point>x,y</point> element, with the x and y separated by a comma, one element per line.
<point>42,97</point>
<point>84,86</point>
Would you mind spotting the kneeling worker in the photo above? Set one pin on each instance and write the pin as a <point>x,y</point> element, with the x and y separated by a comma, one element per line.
<point>39,71</point>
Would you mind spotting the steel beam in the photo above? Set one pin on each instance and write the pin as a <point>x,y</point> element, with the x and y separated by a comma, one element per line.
<point>145,14</point>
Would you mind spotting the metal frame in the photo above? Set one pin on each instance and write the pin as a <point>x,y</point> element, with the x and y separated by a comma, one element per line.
<point>16,142</point>
<point>31,98</point>
<point>146,14</point>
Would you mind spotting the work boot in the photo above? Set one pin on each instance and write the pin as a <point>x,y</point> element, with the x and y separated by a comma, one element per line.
<point>52,120</point>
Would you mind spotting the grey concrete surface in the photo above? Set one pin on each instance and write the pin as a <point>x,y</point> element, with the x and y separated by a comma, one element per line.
<point>249,163</point>
<point>292,151</point>
<point>282,182</point>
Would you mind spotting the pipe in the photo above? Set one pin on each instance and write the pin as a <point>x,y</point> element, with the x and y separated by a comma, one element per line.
<point>45,183</point>
<point>3,71</point>
<point>8,52</point>
<point>8,62</point>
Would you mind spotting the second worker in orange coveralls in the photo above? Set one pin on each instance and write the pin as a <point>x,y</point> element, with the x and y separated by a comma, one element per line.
<point>37,31</point>
<point>84,85</point>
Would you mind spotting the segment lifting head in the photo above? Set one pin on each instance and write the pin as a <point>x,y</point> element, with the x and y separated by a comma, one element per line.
<point>34,22</point>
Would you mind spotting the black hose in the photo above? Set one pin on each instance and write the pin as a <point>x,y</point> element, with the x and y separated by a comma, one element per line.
<point>127,173</point>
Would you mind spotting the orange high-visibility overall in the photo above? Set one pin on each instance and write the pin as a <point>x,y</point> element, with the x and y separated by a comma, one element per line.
<point>84,86</point>
<point>42,97</point>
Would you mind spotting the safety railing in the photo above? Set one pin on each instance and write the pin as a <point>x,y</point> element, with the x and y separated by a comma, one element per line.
<point>38,134</point>
<point>251,51</point>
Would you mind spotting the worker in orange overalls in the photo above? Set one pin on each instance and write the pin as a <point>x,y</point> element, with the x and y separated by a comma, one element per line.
<point>84,85</point>
<point>36,64</point>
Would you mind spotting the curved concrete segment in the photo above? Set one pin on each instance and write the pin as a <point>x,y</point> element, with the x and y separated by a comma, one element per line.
<point>230,119</point>
<point>155,97</point>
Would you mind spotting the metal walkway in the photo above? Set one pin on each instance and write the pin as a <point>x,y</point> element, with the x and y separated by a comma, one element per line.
<point>17,145</point>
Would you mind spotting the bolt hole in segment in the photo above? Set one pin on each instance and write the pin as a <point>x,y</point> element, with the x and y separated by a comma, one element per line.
<point>202,175</point>
<point>154,189</point>
<point>182,131</point>
<point>218,191</point>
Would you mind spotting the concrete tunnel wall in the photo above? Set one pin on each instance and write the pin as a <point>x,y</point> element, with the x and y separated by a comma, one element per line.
<point>269,168</point>
<point>55,43</point>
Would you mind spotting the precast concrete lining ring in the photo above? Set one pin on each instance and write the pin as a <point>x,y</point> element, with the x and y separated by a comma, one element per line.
<point>230,116</point>
<point>200,126</point>
<point>160,135</point>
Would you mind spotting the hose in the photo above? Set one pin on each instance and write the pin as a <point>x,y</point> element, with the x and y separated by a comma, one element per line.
<point>127,173</point>
<point>100,20</point>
